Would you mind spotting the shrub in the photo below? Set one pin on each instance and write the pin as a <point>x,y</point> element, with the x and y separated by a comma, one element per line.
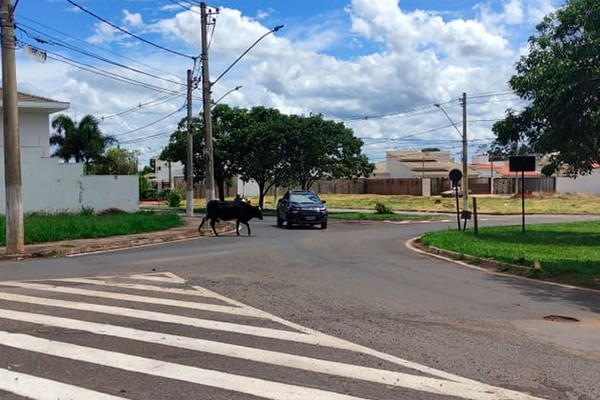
<point>171,197</point>
<point>381,208</point>
<point>87,211</point>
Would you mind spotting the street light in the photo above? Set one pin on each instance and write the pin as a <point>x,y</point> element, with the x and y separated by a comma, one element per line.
<point>206,92</point>
<point>214,103</point>
<point>463,134</point>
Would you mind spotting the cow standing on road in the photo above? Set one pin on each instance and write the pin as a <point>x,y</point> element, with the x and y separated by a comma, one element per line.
<point>241,211</point>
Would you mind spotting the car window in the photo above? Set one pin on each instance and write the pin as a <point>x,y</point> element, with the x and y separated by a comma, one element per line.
<point>304,198</point>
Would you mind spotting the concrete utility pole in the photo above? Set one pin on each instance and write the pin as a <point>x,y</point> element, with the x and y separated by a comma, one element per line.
<point>465,183</point>
<point>189,198</point>
<point>12,147</point>
<point>206,104</point>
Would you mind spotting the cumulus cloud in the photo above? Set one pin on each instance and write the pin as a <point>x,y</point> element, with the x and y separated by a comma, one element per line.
<point>132,19</point>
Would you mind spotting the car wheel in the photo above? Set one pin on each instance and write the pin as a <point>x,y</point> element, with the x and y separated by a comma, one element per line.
<point>289,224</point>
<point>324,225</point>
<point>279,222</point>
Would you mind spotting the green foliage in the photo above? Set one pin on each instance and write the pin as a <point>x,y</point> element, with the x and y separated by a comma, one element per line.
<point>82,142</point>
<point>147,191</point>
<point>77,226</point>
<point>381,208</point>
<point>172,197</point>
<point>560,80</point>
<point>117,161</point>
<point>87,211</point>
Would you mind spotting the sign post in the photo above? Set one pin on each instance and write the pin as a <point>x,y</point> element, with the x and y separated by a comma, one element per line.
<point>455,176</point>
<point>522,164</point>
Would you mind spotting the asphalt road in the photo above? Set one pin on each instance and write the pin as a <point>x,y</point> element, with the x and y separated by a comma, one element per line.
<point>354,282</point>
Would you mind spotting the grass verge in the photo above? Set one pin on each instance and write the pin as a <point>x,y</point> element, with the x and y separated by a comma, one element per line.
<point>40,228</point>
<point>566,253</point>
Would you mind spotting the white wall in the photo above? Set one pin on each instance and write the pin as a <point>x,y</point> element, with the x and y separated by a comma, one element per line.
<point>51,186</point>
<point>582,184</point>
<point>247,189</point>
<point>33,130</point>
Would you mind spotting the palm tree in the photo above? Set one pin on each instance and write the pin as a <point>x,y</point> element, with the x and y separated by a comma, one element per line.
<point>83,142</point>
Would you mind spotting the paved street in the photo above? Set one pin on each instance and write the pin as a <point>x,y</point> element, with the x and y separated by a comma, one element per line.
<point>133,325</point>
<point>345,313</point>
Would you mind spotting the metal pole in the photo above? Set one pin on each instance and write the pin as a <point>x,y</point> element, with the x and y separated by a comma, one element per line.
<point>523,200</point>
<point>12,147</point>
<point>206,86</point>
<point>465,183</point>
<point>189,198</point>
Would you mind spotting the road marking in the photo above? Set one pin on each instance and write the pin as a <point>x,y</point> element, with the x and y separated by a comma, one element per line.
<point>243,311</point>
<point>201,376</point>
<point>443,384</point>
<point>167,277</point>
<point>29,386</point>
<point>391,378</point>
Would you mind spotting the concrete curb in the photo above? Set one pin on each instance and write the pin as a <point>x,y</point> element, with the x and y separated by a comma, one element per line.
<point>490,267</point>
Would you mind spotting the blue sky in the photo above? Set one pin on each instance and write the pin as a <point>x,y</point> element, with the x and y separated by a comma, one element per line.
<point>379,66</point>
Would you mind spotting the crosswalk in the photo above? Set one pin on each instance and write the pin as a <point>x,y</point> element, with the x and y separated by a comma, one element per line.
<point>152,336</point>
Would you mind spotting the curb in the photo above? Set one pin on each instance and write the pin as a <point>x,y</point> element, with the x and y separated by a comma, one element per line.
<point>450,256</point>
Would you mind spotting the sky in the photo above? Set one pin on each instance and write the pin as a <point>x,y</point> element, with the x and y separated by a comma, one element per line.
<point>378,66</point>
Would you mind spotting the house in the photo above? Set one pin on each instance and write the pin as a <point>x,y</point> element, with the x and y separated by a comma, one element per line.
<point>49,185</point>
<point>167,174</point>
<point>495,177</point>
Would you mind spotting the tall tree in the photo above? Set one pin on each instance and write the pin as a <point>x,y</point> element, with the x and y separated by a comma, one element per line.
<point>83,141</point>
<point>260,148</point>
<point>176,149</point>
<point>560,78</point>
<point>117,161</point>
<point>319,149</point>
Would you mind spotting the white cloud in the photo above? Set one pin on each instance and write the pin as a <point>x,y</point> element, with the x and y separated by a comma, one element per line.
<point>132,19</point>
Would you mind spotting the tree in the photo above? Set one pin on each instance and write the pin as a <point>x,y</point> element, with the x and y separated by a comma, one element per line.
<point>260,149</point>
<point>560,77</point>
<point>176,149</point>
<point>83,142</point>
<point>430,149</point>
<point>117,161</point>
<point>318,149</point>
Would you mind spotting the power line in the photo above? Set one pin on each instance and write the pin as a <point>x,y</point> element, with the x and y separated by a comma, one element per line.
<point>58,42</point>
<point>127,32</point>
<point>152,123</point>
<point>155,102</point>
<point>85,43</point>
<point>189,8</point>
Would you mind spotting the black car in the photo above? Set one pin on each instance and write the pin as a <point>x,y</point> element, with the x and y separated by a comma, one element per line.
<point>302,207</point>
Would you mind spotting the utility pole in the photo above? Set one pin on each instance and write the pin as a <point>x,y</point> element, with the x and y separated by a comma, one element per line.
<point>12,147</point>
<point>465,183</point>
<point>189,197</point>
<point>206,104</point>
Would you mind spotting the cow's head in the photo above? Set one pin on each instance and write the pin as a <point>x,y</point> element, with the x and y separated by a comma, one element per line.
<point>258,212</point>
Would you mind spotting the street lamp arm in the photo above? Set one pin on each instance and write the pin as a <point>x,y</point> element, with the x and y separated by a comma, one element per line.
<point>278,27</point>
<point>214,103</point>
<point>449,119</point>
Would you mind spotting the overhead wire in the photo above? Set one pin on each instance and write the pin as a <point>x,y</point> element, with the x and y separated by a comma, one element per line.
<point>127,32</point>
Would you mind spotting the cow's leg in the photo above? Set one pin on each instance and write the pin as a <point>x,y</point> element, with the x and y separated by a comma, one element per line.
<point>237,227</point>
<point>247,226</point>
<point>212,224</point>
<point>201,223</point>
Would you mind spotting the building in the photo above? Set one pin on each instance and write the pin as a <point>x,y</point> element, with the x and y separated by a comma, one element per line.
<point>49,185</point>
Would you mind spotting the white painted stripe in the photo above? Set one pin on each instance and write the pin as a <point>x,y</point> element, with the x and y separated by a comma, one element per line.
<point>333,342</point>
<point>201,376</point>
<point>45,389</point>
<point>168,277</point>
<point>390,378</point>
<point>320,340</point>
<point>242,311</point>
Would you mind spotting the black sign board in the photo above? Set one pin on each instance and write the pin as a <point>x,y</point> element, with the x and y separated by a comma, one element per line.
<point>455,175</point>
<point>521,163</point>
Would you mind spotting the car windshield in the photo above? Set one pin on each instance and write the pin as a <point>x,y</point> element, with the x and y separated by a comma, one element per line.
<point>304,198</point>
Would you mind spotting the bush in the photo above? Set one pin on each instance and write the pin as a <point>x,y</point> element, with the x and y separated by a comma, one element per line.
<point>381,208</point>
<point>171,197</point>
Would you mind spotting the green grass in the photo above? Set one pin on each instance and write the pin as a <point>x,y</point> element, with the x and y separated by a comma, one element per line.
<point>568,252</point>
<point>355,215</point>
<point>41,228</point>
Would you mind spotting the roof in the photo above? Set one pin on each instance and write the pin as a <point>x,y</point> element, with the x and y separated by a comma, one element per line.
<point>433,164</point>
<point>30,101</point>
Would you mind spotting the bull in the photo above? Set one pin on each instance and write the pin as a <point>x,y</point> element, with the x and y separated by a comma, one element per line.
<point>241,211</point>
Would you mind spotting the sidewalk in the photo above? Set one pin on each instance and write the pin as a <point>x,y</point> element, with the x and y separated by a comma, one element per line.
<point>188,230</point>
